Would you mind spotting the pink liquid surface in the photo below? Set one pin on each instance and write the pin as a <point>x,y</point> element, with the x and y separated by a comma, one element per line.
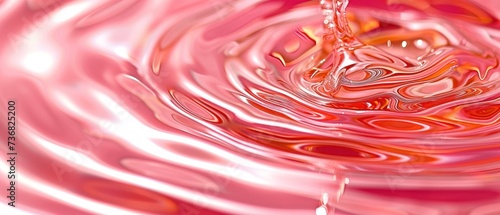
<point>242,107</point>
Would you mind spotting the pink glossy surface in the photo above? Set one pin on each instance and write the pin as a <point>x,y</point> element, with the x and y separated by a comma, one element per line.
<point>213,107</point>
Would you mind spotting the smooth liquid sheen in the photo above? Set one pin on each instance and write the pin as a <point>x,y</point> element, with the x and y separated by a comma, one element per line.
<point>255,107</point>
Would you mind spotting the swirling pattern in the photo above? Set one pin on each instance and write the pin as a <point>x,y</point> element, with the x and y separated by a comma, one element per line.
<point>233,107</point>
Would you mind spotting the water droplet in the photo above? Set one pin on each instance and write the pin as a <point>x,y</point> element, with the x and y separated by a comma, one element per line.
<point>324,199</point>
<point>321,210</point>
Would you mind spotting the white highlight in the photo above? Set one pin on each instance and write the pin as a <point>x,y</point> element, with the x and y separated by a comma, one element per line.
<point>421,44</point>
<point>404,44</point>
<point>122,51</point>
<point>71,11</point>
<point>324,198</point>
<point>39,63</point>
<point>321,210</point>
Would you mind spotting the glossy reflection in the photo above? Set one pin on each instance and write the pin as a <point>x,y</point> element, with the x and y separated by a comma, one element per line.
<point>228,107</point>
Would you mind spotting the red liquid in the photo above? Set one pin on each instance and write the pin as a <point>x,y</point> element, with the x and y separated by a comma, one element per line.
<point>247,107</point>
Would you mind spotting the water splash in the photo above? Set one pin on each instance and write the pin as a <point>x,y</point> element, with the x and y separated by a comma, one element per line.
<point>338,44</point>
<point>336,25</point>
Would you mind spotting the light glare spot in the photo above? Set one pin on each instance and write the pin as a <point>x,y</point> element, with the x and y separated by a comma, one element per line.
<point>421,44</point>
<point>71,11</point>
<point>39,63</point>
<point>321,210</point>
<point>122,52</point>
<point>404,44</point>
<point>324,198</point>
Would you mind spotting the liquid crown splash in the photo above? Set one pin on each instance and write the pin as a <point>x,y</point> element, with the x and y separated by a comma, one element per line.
<point>338,43</point>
